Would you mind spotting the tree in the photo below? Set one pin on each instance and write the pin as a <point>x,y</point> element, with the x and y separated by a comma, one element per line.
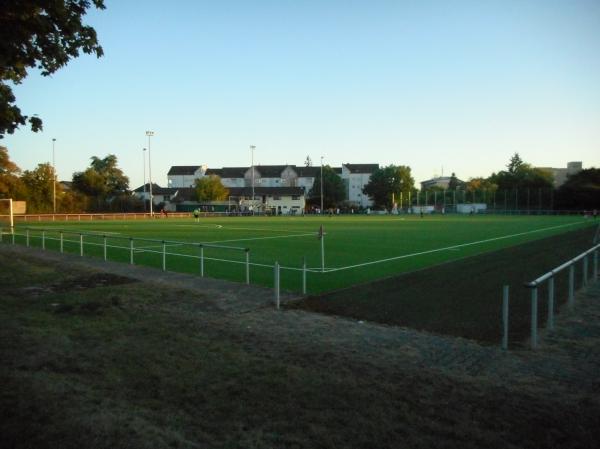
<point>334,190</point>
<point>39,34</point>
<point>308,162</point>
<point>388,182</point>
<point>102,181</point>
<point>210,188</point>
<point>580,191</point>
<point>521,175</point>
<point>39,188</point>
<point>11,185</point>
<point>514,163</point>
<point>454,183</point>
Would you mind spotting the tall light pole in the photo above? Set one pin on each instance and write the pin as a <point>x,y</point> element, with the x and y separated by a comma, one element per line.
<point>144,154</point>
<point>53,179</point>
<point>150,134</point>
<point>252,148</point>
<point>321,184</point>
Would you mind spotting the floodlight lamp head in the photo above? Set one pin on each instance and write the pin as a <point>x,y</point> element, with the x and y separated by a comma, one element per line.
<point>149,133</point>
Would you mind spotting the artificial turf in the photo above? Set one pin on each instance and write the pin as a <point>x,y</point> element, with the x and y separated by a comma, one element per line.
<point>353,245</point>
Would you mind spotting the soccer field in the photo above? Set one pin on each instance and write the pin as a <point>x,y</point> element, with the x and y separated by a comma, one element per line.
<point>357,249</point>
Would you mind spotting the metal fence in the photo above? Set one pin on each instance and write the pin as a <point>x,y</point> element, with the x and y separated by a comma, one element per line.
<point>547,280</point>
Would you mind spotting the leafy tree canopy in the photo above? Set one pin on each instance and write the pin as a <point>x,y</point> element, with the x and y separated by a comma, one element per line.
<point>102,179</point>
<point>39,34</point>
<point>521,175</point>
<point>334,190</point>
<point>10,181</point>
<point>387,180</point>
<point>475,184</point>
<point>580,191</point>
<point>210,188</point>
<point>454,183</point>
<point>39,188</point>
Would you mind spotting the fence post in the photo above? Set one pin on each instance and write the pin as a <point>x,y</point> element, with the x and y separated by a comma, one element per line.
<point>276,283</point>
<point>61,242</point>
<point>534,312</point>
<point>201,261</point>
<point>585,271</point>
<point>164,256</point>
<point>13,237</point>
<point>130,250</point>
<point>247,266</point>
<point>26,238</point>
<point>104,247</point>
<point>551,303</point>
<point>595,265</point>
<point>81,245</point>
<point>505,317</point>
<point>571,285</point>
<point>43,240</point>
<point>304,276</point>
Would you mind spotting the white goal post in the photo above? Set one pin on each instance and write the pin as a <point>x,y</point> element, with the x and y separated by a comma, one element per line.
<point>6,212</point>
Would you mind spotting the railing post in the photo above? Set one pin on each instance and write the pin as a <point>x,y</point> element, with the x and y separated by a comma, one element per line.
<point>571,299</point>
<point>247,266</point>
<point>534,312</point>
<point>81,245</point>
<point>13,237</point>
<point>595,265</point>
<point>505,297</point>
<point>130,250</point>
<point>164,256</point>
<point>61,242</point>
<point>276,283</point>
<point>26,237</point>
<point>104,247</point>
<point>201,261</point>
<point>43,240</point>
<point>304,276</point>
<point>585,271</point>
<point>551,303</point>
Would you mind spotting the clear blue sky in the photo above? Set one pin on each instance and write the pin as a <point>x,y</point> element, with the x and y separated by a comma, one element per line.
<point>455,84</point>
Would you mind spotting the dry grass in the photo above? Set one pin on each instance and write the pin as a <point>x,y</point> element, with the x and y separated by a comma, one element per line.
<point>140,365</point>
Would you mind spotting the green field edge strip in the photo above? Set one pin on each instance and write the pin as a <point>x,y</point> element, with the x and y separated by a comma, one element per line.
<point>147,249</point>
<point>446,248</point>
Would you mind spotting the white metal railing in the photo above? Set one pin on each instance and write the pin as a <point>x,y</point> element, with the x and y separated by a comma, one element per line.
<point>549,278</point>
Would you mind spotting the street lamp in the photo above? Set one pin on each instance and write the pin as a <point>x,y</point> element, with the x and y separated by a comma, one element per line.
<point>321,184</point>
<point>252,148</point>
<point>150,134</point>
<point>144,154</point>
<point>53,179</point>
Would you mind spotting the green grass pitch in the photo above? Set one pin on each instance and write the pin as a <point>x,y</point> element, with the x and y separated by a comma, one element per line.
<point>353,245</point>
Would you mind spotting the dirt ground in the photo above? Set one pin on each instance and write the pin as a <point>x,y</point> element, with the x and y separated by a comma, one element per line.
<point>564,370</point>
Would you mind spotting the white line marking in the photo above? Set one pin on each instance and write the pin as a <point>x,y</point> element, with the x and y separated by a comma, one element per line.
<point>406,256</point>
<point>261,238</point>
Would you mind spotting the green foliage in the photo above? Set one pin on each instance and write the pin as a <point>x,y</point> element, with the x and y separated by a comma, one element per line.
<point>210,188</point>
<point>477,184</point>
<point>454,183</point>
<point>387,181</point>
<point>580,191</point>
<point>39,188</point>
<point>102,181</point>
<point>334,190</point>
<point>10,182</point>
<point>521,175</point>
<point>43,35</point>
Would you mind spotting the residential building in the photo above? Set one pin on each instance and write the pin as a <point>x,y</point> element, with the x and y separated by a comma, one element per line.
<point>355,177</point>
<point>439,181</point>
<point>561,174</point>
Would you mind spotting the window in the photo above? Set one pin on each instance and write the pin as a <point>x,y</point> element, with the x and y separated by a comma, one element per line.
<point>276,197</point>
<point>295,197</point>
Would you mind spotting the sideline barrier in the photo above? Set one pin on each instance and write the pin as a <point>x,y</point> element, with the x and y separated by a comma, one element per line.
<point>549,278</point>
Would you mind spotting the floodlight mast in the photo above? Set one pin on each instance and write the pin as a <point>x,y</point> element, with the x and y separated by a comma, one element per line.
<point>150,134</point>
<point>321,184</point>
<point>144,171</point>
<point>252,148</point>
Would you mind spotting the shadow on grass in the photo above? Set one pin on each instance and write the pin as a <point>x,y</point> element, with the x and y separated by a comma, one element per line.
<point>463,298</point>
